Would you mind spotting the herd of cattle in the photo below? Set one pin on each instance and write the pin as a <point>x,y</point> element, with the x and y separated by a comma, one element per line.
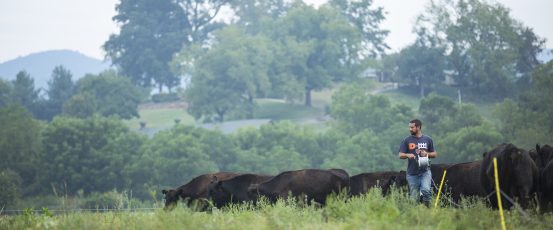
<point>525,176</point>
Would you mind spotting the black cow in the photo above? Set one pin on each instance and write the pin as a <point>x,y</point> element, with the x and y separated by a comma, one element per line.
<point>546,187</point>
<point>193,190</point>
<point>463,180</point>
<point>544,158</point>
<point>315,184</point>
<point>233,190</point>
<point>437,171</point>
<point>362,183</point>
<point>542,155</point>
<point>518,174</point>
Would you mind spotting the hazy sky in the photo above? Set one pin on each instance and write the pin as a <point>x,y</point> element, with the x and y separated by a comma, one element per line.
<point>28,26</point>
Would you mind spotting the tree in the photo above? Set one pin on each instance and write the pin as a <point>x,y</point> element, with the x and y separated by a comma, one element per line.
<point>5,93</point>
<point>200,18</point>
<point>81,105</point>
<point>538,98</point>
<point>276,147</point>
<point>255,16</point>
<point>484,43</point>
<point>441,115</point>
<point>388,66</point>
<point>20,144</point>
<point>230,75</point>
<point>151,33</point>
<point>468,143</point>
<point>60,89</point>
<point>330,45</point>
<point>522,126</point>
<point>367,21</point>
<point>173,157</point>
<point>422,65</point>
<point>10,189</point>
<point>112,95</point>
<point>23,91</point>
<point>529,121</point>
<point>355,110</point>
<point>364,152</point>
<point>88,154</point>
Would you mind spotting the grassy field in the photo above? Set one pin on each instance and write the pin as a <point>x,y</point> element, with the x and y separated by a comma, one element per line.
<point>371,211</point>
<point>159,118</point>
<point>280,110</point>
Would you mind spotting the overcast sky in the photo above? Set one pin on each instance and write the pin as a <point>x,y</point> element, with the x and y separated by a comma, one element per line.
<point>29,26</point>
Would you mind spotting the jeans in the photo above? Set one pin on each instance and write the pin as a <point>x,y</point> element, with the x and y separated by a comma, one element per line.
<point>420,183</point>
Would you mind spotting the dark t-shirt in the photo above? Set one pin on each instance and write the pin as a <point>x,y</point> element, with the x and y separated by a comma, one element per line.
<point>409,145</point>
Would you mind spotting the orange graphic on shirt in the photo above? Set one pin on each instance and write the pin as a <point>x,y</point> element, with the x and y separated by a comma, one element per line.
<point>412,146</point>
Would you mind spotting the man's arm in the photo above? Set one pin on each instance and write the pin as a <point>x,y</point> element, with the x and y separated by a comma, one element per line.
<point>406,155</point>
<point>429,154</point>
<point>432,154</point>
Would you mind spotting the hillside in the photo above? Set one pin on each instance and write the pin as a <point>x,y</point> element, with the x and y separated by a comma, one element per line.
<point>40,65</point>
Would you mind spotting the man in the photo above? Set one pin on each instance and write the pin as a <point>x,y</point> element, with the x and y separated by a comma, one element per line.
<point>411,148</point>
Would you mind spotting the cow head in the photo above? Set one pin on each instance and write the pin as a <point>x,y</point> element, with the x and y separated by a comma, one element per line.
<point>171,198</point>
<point>216,191</point>
<point>545,153</point>
<point>253,192</point>
<point>523,175</point>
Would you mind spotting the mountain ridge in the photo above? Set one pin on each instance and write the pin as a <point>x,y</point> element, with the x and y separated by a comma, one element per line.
<point>41,64</point>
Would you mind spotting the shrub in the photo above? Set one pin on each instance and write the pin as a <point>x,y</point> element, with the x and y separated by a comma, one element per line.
<point>165,97</point>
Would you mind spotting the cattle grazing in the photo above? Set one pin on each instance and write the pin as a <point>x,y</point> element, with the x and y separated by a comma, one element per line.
<point>518,174</point>
<point>314,184</point>
<point>463,180</point>
<point>362,183</point>
<point>194,190</point>
<point>233,190</point>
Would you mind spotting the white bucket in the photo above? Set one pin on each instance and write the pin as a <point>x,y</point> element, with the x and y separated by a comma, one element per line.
<point>423,162</point>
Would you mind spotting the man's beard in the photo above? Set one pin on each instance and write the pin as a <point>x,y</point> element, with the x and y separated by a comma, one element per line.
<point>412,132</point>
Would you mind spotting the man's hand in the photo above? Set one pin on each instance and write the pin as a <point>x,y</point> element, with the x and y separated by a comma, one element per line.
<point>406,156</point>
<point>423,153</point>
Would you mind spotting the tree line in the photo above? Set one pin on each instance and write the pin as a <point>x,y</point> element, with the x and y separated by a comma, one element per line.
<point>98,153</point>
<point>287,49</point>
<point>71,137</point>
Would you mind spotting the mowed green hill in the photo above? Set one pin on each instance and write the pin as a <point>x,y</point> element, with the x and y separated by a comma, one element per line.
<point>163,115</point>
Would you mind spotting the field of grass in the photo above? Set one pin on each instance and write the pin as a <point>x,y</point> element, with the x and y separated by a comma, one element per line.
<point>160,118</point>
<point>397,97</point>
<point>280,110</point>
<point>371,211</point>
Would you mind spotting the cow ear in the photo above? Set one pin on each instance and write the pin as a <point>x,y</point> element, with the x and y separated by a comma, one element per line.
<point>214,179</point>
<point>538,147</point>
<point>164,191</point>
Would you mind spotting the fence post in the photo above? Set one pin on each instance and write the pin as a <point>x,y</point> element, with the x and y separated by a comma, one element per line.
<point>498,193</point>
<point>440,189</point>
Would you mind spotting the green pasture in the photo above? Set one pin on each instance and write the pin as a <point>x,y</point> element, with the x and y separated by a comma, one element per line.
<point>371,211</point>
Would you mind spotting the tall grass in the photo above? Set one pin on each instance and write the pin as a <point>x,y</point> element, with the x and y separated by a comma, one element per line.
<point>370,211</point>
